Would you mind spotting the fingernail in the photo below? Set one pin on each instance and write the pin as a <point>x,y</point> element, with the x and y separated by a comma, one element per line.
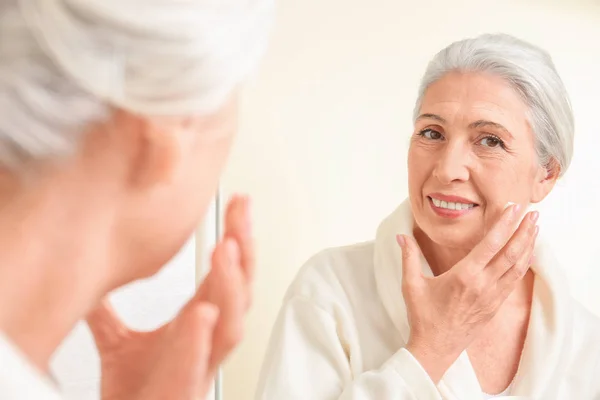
<point>401,241</point>
<point>534,216</point>
<point>516,208</point>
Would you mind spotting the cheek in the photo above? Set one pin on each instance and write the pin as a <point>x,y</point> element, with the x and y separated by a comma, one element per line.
<point>205,166</point>
<point>419,168</point>
<point>500,183</point>
<point>209,159</point>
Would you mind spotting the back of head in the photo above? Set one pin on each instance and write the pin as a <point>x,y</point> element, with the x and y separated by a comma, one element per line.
<point>67,63</point>
<point>531,73</point>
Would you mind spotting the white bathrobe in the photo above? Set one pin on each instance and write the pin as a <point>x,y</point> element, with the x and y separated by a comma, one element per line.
<point>19,379</point>
<point>343,327</point>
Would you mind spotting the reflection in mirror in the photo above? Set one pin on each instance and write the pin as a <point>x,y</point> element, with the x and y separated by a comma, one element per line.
<point>392,120</point>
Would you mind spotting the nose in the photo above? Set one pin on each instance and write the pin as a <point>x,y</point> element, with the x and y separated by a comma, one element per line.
<point>453,164</point>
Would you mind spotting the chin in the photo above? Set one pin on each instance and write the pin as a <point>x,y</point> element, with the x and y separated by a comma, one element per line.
<point>452,240</point>
<point>458,234</point>
<point>452,228</point>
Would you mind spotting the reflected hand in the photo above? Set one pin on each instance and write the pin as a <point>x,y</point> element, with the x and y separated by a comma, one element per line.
<point>447,312</point>
<point>179,360</point>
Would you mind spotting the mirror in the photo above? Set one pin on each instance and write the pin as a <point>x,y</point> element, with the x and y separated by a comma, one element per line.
<point>326,130</point>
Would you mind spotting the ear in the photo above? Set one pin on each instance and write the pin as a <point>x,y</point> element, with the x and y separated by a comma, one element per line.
<point>156,151</point>
<point>545,179</point>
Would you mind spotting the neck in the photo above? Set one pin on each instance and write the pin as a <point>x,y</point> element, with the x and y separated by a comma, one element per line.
<point>48,280</point>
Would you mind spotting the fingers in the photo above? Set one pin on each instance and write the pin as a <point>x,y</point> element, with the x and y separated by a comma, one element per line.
<point>228,284</point>
<point>496,238</point>
<point>238,227</point>
<point>411,259</point>
<point>519,245</point>
<point>515,273</point>
<point>206,319</point>
<point>231,298</point>
<point>106,327</point>
<point>190,348</point>
<point>201,319</point>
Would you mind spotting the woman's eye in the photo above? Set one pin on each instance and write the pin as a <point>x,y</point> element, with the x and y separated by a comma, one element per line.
<point>491,142</point>
<point>431,134</point>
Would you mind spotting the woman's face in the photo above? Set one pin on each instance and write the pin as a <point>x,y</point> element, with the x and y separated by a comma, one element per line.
<point>472,151</point>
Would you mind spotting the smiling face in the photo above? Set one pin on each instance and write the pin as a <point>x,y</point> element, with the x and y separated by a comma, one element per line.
<point>472,151</point>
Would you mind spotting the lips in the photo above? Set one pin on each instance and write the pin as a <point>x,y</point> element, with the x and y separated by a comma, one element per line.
<point>452,198</point>
<point>450,206</point>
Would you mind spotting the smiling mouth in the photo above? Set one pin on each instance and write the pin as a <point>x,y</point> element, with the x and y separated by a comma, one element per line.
<point>452,205</point>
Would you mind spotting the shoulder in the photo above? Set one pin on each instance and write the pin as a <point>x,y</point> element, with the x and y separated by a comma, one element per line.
<point>335,275</point>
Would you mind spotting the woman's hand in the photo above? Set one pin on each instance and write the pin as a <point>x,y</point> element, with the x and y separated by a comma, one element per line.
<point>447,312</point>
<point>179,360</point>
<point>238,235</point>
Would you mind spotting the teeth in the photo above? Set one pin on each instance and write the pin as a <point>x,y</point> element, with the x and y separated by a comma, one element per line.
<point>450,205</point>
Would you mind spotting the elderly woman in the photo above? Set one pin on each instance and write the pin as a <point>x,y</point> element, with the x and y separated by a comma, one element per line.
<point>116,118</point>
<point>447,302</point>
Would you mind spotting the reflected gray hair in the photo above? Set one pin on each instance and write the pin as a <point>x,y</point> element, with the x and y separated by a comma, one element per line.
<point>66,63</point>
<point>531,73</point>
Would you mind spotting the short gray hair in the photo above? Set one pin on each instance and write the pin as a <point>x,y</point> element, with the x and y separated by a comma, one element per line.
<point>67,63</point>
<point>532,74</point>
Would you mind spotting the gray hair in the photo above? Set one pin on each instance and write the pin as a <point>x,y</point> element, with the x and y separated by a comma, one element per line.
<point>532,74</point>
<point>67,63</point>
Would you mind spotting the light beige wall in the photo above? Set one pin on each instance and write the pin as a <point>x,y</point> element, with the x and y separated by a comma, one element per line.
<point>326,124</point>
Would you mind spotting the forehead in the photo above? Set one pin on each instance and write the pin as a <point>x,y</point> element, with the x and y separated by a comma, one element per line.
<point>461,98</point>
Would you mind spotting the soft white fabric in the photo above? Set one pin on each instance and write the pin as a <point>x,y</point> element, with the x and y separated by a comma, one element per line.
<point>159,57</point>
<point>504,393</point>
<point>343,327</point>
<point>19,380</point>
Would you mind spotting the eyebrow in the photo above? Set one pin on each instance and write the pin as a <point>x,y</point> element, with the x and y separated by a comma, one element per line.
<point>431,116</point>
<point>489,124</point>
<point>482,123</point>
